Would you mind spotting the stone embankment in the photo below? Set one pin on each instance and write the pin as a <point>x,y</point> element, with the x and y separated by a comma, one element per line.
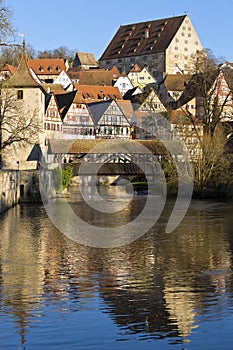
<point>9,189</point>
<point>18,186</point>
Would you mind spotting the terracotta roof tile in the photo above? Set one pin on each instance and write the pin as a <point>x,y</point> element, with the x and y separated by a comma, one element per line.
<point>97,92</point>
<point>48,66</point>
<point>93,76</point>
<point>136,68</point>
<point>9,68</point>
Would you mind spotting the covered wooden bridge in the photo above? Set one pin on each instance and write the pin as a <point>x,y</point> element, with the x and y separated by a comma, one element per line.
<point>108,157</point>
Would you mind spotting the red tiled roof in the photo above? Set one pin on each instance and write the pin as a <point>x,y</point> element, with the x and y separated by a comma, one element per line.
<point>136,68</point>
<point>98,92</point>
<point>9,68</point>
<point>47,66</point>
<point>93,76</point>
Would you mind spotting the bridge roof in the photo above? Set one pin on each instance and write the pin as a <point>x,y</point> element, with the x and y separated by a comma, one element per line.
<point>106,146</point>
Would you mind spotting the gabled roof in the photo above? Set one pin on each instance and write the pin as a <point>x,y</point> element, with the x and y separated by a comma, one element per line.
<point>64,102</point>
<point>177,82</point>
<point>135,68</point>
<point>22,76</point>
<point>92,76</point>
<point>47,66</point>
<point>143,38</point>
<point>87,59</point>
<point>97,109</point>
<point>9,68</point>
<point>97,92</point>
<point>126,108</point>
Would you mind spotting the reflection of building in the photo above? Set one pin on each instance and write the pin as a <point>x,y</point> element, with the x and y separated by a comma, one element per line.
<point>152,288</point>
<point>181,307</point>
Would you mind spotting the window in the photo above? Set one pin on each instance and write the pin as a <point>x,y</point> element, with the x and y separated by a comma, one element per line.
<point>176,47</point>
<point>20,94</point>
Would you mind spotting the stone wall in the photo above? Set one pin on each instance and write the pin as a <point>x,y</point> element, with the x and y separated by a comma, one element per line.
<point>9,189</point>
<point>29,186</point>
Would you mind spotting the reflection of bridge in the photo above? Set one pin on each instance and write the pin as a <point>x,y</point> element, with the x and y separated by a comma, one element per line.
<point>111,157</point>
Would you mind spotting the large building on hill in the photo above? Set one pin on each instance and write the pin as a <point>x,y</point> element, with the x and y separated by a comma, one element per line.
<point>163,45</point>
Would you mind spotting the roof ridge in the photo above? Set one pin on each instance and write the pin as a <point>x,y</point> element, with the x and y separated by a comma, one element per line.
<point>153,20</point>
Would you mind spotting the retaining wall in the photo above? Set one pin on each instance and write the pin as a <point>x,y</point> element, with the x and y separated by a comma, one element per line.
<point>9,189</point>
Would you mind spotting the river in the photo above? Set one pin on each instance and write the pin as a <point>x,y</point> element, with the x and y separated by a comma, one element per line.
<point>161,291</point>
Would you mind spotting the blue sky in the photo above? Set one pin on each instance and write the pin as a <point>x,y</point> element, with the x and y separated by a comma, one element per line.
<point>88,26</point>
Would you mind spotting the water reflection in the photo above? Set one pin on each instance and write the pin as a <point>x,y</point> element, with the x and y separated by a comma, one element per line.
<point>162,286</point>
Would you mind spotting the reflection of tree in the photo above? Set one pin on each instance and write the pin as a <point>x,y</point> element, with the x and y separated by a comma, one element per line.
<point>152,287</point>
<point>159,290</point>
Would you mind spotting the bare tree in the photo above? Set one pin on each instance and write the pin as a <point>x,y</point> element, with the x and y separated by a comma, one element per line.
<point>60,52</point>
<point>12,53</point>
<point>18,126</point>
<point>6,28</point>
<point>215,112</point>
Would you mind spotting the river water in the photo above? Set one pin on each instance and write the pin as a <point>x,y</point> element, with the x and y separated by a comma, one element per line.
<point>162,291</point>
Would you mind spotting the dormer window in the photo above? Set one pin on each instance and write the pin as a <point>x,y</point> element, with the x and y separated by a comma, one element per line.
<point>41,68</point>
<point>147,34</point>
<point>50,69</point>
<point>58,68</point>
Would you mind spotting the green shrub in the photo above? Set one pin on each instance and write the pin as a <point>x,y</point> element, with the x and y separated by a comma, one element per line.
<point>62,177</point>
